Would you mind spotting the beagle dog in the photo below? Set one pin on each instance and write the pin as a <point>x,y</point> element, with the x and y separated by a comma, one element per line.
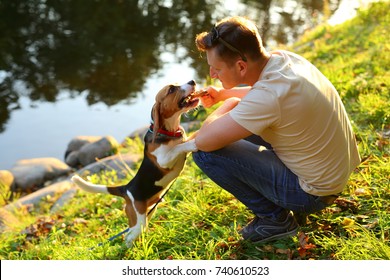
<point>159,167</point>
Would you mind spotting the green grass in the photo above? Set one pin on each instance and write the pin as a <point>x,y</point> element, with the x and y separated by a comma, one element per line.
<point>199,220</point>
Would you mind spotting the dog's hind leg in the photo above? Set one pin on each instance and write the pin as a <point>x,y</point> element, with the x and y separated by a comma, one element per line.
<point>137,219</point>
<point>135,231</point>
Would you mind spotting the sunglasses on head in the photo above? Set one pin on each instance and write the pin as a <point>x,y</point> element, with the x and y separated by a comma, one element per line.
<point>216,37</point>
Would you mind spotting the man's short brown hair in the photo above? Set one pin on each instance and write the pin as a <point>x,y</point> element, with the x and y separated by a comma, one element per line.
<point>239,33</point>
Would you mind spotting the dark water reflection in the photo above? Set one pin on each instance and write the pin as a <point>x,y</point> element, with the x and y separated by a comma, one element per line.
<point>110,48</point>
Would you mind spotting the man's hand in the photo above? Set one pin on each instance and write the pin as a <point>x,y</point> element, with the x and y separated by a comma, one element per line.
<point>211,98</point>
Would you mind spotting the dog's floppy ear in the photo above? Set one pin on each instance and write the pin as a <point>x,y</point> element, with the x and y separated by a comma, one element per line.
<point>156,118</point>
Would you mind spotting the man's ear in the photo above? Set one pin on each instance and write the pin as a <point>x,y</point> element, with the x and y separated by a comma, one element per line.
<point>242,67</point>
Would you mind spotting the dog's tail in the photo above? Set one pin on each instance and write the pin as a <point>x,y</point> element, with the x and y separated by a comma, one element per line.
<point>94,188</point>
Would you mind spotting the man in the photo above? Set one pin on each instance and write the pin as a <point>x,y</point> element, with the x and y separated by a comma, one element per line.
<point>282,143</point>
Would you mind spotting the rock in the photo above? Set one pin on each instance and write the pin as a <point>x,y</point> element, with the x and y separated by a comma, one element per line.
<point>7,179</point>
<point>140,132</point>
<point>65,197</point>
<point>8,221</point>
<point>84,150</point>
<point>97,150</point>
<point>76,143</point>
<point>7,182</point>
<point>72,159</point>
<point>30,174</point>
<point>119,163</point>
<point>35,197</point>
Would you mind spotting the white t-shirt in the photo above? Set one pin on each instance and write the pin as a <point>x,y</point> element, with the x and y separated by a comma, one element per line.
<point>295,108</point>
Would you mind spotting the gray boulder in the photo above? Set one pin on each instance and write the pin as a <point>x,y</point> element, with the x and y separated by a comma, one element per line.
<point>76,143</point>
<point>84,150</point>
<point>35,198</point>
<point>30,174</point>
<point>7,179</point>
<point>8,220</point>
<point>6,185</point>
<point>120,163</point>
<point>140,132</point>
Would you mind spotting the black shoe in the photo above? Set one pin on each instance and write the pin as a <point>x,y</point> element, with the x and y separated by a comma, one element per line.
<point>263,229</point>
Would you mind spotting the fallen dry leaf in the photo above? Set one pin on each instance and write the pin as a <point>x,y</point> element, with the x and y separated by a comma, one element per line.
<point>80,221</point>
<point>305,245</point>
<point>42,226</point>
<point>287,252</point>
<point>346,204</point>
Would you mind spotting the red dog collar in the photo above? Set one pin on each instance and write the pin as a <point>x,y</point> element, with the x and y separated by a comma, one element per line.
<point>178,133</point>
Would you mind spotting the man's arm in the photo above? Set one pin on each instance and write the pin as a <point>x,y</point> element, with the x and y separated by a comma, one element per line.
<point>215,95</point>
<point>219,129</point>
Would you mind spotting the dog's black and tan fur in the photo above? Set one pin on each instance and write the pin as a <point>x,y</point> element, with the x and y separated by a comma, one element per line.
<point>146,188</point>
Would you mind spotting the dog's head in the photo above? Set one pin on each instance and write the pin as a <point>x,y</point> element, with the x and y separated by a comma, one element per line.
<point>172,101</point>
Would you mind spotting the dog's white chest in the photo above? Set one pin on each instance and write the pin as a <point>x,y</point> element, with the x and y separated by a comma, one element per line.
<point>163,154</point>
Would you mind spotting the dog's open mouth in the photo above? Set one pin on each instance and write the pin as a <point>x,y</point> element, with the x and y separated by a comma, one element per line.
<point>192,99</point>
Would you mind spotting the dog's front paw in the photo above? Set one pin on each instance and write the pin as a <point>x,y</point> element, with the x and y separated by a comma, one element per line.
<point>166,161</point>
<point>166,156</point>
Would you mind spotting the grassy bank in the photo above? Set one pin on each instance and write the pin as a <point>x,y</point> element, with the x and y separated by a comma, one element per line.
<point>198,220</point>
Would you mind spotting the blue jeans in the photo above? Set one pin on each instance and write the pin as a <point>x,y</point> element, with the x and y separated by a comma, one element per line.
<point>258,178</point>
